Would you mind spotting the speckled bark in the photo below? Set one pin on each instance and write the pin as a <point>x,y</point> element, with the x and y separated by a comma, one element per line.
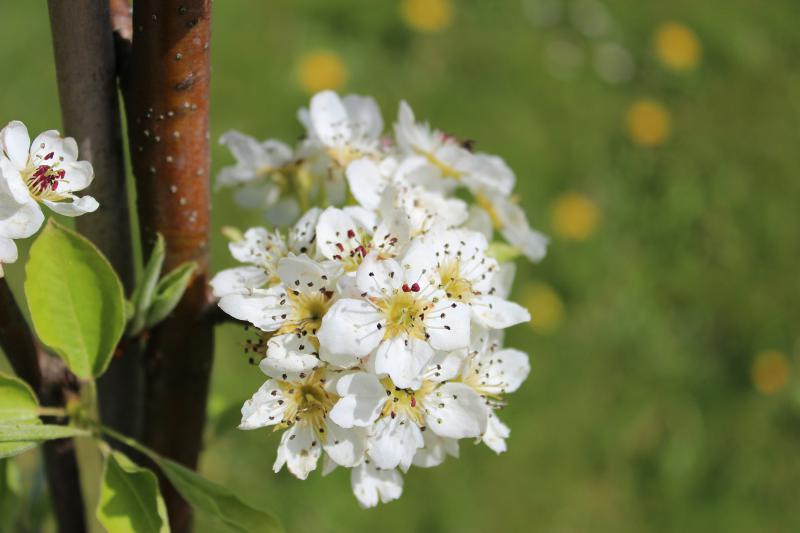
<point>167,105</point>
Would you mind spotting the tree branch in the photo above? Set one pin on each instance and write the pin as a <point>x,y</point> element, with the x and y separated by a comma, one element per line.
<point>83,46</point>
<point>53,383</point>
<point>167,108</point>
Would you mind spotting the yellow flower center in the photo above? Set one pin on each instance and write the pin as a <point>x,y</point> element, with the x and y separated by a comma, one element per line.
<point>456,286</point>
<point>405,402</point>
<point>307,312</point>
<point>308,402</point>
<point>404,313</point>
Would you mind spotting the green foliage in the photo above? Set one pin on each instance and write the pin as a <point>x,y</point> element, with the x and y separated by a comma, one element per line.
<point>38,432</point>
<point>218,501</point>
<point>169,292</point>
<point>143,295</point>
<point>207,496</point>
<point>18,407</point>
<point>76,300</point>
<point>154,299</point>
<point>9,494</point>
<point>130,500</point>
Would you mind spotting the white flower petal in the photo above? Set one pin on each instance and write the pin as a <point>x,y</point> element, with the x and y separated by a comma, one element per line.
<point>364,115</point>
<point>393,442</point>
<point>456,411</point>
<point>372,486</point>
<point>503,371</point>
<point>12,184</point>
<point>361,399</point>
<point>304,232</point>
<point>300,273</point>
<point>19,221</point>
<point>377,277</point>
<point>495,312</point>
<point>337,234</point>
<point>496,433</point>
<point>289,354</point>
<point>329,119</point>
<point>299,450</point>
<point>8,251</point>
<point>16,143</point>
<point>262,308</point>
<point>448,325</point>
<point>366,183</point>
<point>265,408</point>
<point>349,328</point>
<point>239,280</point>
<point>403,359</point>
<point>78,176</point>
<point>77,207</point>
<point>345,447</point>
<point>435,451</point>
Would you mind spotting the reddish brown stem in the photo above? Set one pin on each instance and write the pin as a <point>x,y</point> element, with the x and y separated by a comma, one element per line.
<point>83,46</point>
<point>52,382</point>
<point>167,105</point>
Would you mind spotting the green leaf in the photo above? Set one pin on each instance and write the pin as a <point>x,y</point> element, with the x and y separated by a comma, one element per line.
<point>18,406</point>
<point>129,498</point>
<point>38,432</point>
<point>143,295</point>
<point>76,300</point>
<point>169,292</point>
<point>217,500</point>
<point>206,495</point>
<point>10,497</point>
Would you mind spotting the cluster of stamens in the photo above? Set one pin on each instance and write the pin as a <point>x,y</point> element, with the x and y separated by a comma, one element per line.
<point>45,178</point>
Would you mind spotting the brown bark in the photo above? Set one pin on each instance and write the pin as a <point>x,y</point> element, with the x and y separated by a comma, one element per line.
<point>53,384</point>
<point>167,107</point>
<point>85,61</point>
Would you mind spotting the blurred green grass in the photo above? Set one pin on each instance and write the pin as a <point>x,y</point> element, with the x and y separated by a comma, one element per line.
<point>640,413</point>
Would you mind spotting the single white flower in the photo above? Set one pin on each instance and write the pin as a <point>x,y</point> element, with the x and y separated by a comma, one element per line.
<point>450,162</point>
<point>492,372</point>
<point>300,407</point>
<point>261,250</point>
<point>372,485</point>
<point>348,235</point>
<point>47,172</point>
<point>510,220</point>
<point>462,270</point>
<point>291,311</point>
<point>399,320</point>
<point>387,188</point>
<point>397,418</point>
<point>347,128</point>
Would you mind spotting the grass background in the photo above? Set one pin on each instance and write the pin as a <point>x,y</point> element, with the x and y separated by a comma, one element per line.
<point>640,413</point>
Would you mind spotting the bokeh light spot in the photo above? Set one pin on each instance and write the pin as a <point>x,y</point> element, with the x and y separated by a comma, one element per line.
<point>545,306</point>
<point>320,70</point>
<point>770,371</point>
<point>648,122</point>
<point>677,46</point>
<point>428,16</point>
<point>574,216</point>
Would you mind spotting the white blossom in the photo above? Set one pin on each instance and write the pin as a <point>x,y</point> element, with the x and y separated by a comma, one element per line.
<point>47,172</point>
<point>379,315</point>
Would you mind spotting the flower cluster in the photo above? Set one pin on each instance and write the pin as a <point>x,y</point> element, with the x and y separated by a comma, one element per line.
<point>379,322</point>
<point>47,172</point>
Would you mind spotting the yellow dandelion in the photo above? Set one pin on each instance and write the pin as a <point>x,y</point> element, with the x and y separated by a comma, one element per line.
<point>648,122</point>
<point>545,306</point>
<point>574,216</point>
<point>677,46</point>
<point>321,69</point>
<point>428,16</point>
<point>770,372</point>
